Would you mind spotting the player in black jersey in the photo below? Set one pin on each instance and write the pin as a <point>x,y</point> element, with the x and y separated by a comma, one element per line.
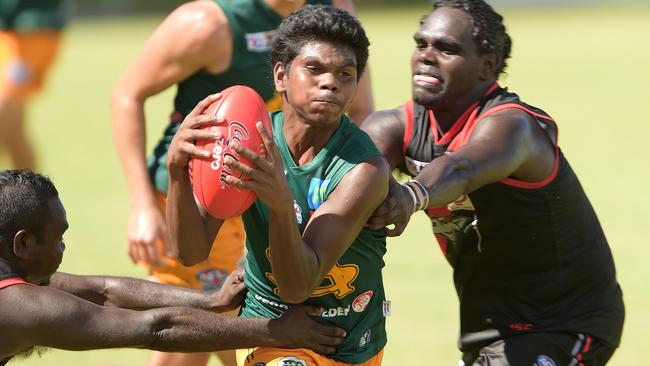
<point>41,308</point>
<point>532,267</point>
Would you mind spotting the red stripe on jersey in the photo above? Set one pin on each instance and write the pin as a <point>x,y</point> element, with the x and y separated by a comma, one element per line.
<point>408,128</point>
<point>463,137</point>
<point>13,281</point>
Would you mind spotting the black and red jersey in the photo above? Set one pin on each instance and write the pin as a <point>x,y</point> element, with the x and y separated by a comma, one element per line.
<point>9,276</point>
<point>526,256</point>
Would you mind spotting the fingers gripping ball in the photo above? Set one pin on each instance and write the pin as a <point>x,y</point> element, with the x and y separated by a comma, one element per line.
<point>240,108</point>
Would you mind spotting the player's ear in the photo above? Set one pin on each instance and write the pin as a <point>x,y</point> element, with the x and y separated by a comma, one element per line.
<point>23,244</point>
<point>489,64</point>
<point>279,77</point>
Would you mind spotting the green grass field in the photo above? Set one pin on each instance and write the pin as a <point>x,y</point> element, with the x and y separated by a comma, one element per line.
<point>587,67</point>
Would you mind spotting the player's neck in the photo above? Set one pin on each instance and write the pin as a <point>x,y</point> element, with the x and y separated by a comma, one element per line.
<point>447,116</point>
<point>285,7</point>
<point>305,139</point>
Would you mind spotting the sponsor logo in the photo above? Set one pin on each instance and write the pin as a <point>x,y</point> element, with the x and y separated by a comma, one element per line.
<point>266,301</point>
<point>317,191</point>
<point>386,308</point>
<point>291,361</point>
<point>334,312</point>
<point>237,133</point>
<point>260,41</point>
<point>543,360</point>
<point>211,279</point>
<point>298,211</point>
<point>365,339</point>
<point>361,302</point>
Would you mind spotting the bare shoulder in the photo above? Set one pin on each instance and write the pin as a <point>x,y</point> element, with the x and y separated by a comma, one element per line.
<point>383,121</point>
<point>512,121</point>
<point>200,27</point>
<point>369,177</point>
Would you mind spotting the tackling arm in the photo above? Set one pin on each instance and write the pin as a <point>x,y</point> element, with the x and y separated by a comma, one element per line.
<point>131,293</point>
<point>43,316</point>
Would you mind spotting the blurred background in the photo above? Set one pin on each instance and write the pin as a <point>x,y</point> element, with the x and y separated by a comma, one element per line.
<point>584,62</point>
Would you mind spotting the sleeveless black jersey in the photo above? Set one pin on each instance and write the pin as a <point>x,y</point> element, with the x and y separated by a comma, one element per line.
<point>526,256</point>
<point>9,276</point>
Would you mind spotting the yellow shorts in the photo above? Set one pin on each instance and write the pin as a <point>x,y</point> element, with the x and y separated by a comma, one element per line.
<point>24,61</point>
<point>267,356</point>
<point>225,256</point>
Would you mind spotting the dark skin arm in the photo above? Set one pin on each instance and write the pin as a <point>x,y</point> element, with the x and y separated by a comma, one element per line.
<point>43,316</point>
<point>131,293</point>
<point>506,144</point>
<point>300,262</point>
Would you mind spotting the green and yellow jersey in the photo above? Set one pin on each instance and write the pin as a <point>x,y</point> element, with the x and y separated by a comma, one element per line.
<point>352,293</point>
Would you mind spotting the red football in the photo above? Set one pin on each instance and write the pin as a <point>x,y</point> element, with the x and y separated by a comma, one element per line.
<point>241,108</point>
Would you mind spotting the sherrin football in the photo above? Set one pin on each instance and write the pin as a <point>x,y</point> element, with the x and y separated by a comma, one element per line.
<point>240,108</point>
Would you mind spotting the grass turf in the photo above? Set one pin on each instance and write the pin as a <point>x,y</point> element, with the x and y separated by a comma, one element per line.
<point>587,67</point>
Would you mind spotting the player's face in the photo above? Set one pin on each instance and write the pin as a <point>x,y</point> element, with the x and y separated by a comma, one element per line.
<point>445,65</point>
<point>50,246</point>
<point>320,83</point>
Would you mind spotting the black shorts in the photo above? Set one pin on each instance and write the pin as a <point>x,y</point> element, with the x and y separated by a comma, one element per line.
<point>542,349</point>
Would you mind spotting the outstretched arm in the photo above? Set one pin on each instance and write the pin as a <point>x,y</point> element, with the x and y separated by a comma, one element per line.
<point>43,316</point>
<point>206,43</point>
<point>132,293</point>
<point>506,144</point>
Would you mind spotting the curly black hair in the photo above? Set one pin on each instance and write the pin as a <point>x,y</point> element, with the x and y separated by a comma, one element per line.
<point>320,23</point>
<point>489,32</point>
<point>24,205</point>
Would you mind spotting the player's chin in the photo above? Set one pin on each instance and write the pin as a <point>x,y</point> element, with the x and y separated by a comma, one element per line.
<point>426,97</point>
<point>326,114</point>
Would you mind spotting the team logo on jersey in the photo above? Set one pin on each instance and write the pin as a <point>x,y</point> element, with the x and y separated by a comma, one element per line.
<point>543,360</point>
<point>317,191</point>
<point>453,222</point>
<point>339,281</point>
<point>361,302</point>
<point>298,210</point>
<point>260,41</point>
<point>291,361</point>
<point>365,339</point>
<point>211,279</point>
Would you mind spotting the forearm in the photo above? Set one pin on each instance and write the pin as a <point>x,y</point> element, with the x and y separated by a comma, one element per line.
<point>132,293</point>
<point>128,122</point>
<point>190,241</point>
<point>295,265</point>
<point>185,330</point>
<point>446,179</point>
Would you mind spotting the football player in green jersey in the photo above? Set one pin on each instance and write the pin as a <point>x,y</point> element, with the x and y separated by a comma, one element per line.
<point>317,184</point>
<point>202,47</point>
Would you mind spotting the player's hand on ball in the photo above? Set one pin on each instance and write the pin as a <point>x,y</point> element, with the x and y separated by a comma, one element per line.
<point>296,329</point>
<point>183,145</point>
<point>267,178</point>
<point>231,294</point>
<point>396,210</point>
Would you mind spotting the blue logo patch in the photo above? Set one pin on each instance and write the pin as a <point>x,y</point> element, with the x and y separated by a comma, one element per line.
<point>317,191</point>
<point>543,360</point>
